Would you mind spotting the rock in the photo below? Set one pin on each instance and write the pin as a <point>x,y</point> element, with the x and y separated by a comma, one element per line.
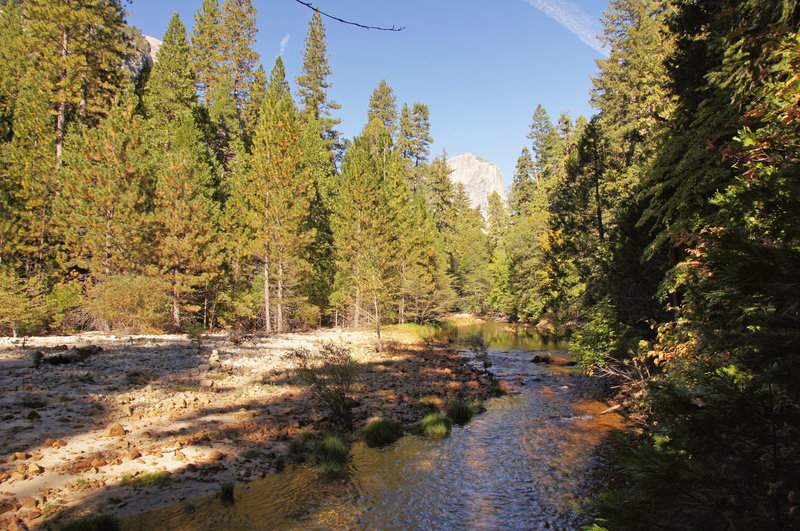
<point>206,383</point>
<point>7,506</point>
<point>21,456</point>
<point>115,430</point>
<point>203,367</point>
<point>33,515</point>
<point>479,177</point>
<point>32,415</point>
<point>132,454</point>
<point>17,476</point>
<point>215,455</point>
<point>34,469</point>
<point>98,462</point>
<point>30,503</point>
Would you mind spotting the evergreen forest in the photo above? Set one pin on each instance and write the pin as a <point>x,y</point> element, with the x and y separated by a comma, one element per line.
<point>661,236</point>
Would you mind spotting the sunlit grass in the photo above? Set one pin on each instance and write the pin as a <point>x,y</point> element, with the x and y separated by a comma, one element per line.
<point>330,456</point>
<point>434,425</point>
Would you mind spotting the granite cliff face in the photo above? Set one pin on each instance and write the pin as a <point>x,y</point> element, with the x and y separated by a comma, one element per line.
<point>479,177</point>
<point>144,53</point>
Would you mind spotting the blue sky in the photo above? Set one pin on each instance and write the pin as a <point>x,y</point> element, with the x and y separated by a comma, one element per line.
<point>481,66</point>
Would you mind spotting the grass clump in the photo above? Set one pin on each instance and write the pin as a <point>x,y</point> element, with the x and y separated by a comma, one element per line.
<point>434,425</point>
<point>94,522</point>
<point>297,447</point>
<point>427,405</point>
<point>479,348</point>
<point>382,432</point>
<point>152,479</point>
<point>459,412</point>
<point>330,456</point>
<point>476,405</point>
<point>251,453</point>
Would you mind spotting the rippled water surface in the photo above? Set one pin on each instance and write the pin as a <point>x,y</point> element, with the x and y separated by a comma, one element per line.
<point>519,465</point>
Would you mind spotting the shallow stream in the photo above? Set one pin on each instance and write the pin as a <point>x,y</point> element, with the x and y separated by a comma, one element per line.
<point>519,465</point>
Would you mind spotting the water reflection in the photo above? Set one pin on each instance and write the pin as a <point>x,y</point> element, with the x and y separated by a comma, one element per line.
<point>520,465</point>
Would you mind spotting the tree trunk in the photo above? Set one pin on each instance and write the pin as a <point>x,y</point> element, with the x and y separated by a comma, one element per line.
<point>62,107</point>
<point>377,322</point>
<point>279,302</point>
<point>176,308</point>
<point>267,320</point>
<point>356,306</point>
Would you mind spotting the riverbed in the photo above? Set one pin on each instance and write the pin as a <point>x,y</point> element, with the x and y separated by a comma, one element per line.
<point>522,464</point>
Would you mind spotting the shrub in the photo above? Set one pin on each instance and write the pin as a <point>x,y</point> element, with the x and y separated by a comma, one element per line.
<point>128,301</point>
<point>478,346</point>
<point>307,315</point>
<point>434,425</point>
<point>331,375</point>
<point>95,522</point>
<point>297,447</point>
<point>330,456</point>
<point>459,412</point>
<point>251,453</point>
<point>381,432</point>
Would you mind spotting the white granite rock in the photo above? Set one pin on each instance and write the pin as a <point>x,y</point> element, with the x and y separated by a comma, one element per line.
<point>479,177</point>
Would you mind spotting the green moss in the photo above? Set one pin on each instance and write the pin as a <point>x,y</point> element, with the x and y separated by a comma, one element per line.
<point>434,425</point>
<point>382,432</point>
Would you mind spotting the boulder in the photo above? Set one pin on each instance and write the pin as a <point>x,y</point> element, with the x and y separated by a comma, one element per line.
<point>115,430</point>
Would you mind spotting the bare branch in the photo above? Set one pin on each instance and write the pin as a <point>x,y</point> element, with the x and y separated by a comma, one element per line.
<point>308,5</point>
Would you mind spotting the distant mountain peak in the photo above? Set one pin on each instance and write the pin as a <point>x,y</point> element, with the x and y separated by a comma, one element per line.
<point>479,177</point>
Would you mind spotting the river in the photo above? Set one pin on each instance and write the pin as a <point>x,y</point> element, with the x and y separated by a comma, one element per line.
<point>519,465</point>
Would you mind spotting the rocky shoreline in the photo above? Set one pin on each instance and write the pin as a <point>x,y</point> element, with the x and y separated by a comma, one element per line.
<point>145,421</point>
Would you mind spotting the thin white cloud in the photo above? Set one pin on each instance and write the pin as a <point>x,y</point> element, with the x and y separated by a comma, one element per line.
<point>284,42</point>
<point>573,18</point>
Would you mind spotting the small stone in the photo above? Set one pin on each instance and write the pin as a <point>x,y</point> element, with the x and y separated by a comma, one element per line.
<point>132,454</point>
<point>203,367</point>
<point>215,455</point>
<point>21,455</point>
<point>34,469</point>
<point>206,383</point>
<point>33,515</point>
<point>98,462</point>
<point>17,476</point>
<point>115,430</point>
<point>179,455</point>
<point>127,410</point>
<point>32,415</point>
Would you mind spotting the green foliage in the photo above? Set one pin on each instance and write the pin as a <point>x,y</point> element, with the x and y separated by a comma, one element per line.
<point>479,348</point>
<point>602,339</point>
<point>130,302</point>
<point>476,405</point>
<point>226,492</point>
<point>434,425</point>
<point>382,432</point>
<point>331,374</point>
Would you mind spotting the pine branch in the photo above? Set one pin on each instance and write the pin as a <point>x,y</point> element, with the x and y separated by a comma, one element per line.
<point>318,10</point>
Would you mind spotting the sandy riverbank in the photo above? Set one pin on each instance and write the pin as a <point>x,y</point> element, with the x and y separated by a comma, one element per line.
<point>77,437</point>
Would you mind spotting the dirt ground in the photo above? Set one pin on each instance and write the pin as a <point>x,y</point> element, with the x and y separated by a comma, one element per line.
<point>153,420</point>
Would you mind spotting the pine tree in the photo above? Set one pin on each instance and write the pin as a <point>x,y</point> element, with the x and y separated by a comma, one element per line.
<point>382,111</point>
<point>364,225</point>
<point>29,180</point>
<point>238,26</point>
<point>440,194</point>
<point>312,84</point>
<point>272,201</point>
<point>414,140</point>
<point>99,211</point>
<point>79,48</point>
<point>206,50</point>
<point>523,187</point>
